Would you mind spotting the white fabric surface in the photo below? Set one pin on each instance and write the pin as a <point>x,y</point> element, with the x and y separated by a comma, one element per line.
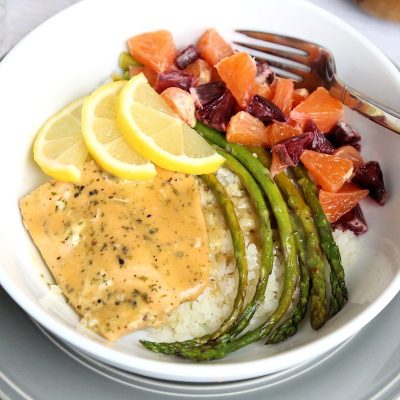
<point>25,15</point>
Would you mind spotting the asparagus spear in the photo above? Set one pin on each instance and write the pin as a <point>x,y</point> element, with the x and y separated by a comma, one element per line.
<point>315,261</point>
<point>337,278</point>
<point>239,250</point>
<point>241,264</point>
<point>328,244</point>
<point>265,232</point>
<point>262,175</point>
<point>289,327</point>
<point>217,350</point>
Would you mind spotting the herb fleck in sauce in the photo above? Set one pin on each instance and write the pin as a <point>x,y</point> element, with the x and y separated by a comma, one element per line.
<point>125,254</point>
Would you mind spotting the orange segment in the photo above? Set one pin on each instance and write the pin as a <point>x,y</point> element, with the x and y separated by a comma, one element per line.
<point>262,89</point>
<point>212,47</point>
<point>181,103</point>
<point>321,107</point>
<point>299,95</point>
<point>155,50</point>
<point>239,74</point>
<point>150,75</point>
<point>351,154</point>
<point>283,94</point>
<point>279,131</point>
<point>328,171</point>
<point>201,70</point>
<point>337,204</point>
<point>245,129</point>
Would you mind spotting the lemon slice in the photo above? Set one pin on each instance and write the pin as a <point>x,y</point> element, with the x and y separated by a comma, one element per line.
<point>103,138</point>
<point>151,127</point>
<point>59,148</point>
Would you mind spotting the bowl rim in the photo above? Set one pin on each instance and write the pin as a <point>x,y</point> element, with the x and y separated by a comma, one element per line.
<point>226,372</point>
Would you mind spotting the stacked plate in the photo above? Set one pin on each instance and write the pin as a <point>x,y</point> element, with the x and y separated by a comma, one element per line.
<point>36,365</point>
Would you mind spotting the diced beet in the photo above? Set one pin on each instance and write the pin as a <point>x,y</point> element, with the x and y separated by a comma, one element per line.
<point>207,93</point>
<point>353,221</point>
<point>218,113</point>
<point>264,72</point>
<point>290,150</point>
<point>311,126</point>
<point>178,79</point>
<point>186,56</point>
<point>369,176</point>
<point>265,110</point>
<point>319,142</point>
<point>342,133</point>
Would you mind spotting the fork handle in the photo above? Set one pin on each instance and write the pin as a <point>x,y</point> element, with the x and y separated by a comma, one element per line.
<point>368,107</point>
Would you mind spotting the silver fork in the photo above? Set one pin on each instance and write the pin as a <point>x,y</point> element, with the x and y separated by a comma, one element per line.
<point>311,65</point>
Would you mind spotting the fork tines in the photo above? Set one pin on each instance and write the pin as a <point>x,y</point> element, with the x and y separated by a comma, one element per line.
<point>287,56</point>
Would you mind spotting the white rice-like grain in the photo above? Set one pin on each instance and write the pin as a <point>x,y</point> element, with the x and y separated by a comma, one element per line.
<point>206,313</point>
<point>348,245</point>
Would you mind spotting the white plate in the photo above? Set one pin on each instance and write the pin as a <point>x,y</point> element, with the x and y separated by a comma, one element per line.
<point>74,51</point>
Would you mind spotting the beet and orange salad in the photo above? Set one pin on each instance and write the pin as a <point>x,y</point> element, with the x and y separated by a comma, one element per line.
<point>233,93</point>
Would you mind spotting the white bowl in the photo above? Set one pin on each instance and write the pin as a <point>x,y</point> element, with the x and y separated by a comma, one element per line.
<point>73,52</point>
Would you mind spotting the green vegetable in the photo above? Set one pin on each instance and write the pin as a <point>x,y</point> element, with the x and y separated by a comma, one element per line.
<point>290,326</point>
<point>278,206</point>
<point>314,260</point>
<point>117,77</point>
<point>262,175</point>
<point>267,250</point>
<point>126,60</point>
<point>337,278</point>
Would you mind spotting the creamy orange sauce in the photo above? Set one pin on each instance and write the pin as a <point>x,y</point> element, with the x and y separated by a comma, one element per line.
<point>125,254</point>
